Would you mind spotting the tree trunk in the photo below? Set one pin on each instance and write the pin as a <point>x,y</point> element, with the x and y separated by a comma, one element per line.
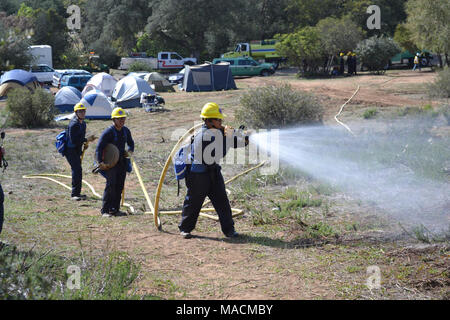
<point>446,58</point>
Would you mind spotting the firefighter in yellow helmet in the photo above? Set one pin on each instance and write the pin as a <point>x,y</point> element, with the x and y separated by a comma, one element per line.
<point>204,177</point>
<point>118,135</point>
<point>76,139</point>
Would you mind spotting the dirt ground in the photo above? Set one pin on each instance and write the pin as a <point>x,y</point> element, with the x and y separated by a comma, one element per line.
<point>267,261</point>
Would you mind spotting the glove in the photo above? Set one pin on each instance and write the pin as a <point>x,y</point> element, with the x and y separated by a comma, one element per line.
<point>91,138</point>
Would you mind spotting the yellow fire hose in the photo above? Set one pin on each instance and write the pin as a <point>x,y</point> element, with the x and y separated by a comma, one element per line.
<point>48,176</point>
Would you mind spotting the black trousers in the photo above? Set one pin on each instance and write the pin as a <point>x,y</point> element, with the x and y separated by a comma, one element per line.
<point>115,181</point>
<point>200,185</point>
<point>73,157</point>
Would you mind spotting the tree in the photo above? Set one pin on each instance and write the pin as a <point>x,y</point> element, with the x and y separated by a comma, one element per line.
<point>338,35</point>
<point>404,38</point>
<point>428,23</point>
<point>303,49</point>
<point>50,29</point>
<point>375,52</point>
<point>14,42</point>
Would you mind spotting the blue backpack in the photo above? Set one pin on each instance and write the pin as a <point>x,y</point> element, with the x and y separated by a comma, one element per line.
<point>61,142</point>
<point>182,162</point>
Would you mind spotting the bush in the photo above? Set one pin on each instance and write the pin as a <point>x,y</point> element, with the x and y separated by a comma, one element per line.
<point>35,275</point>
<point>30,110</point>
<point>139,66</point>
<point>376,52</point>
<point>440,88</point>
<point>370,113</point>
<point>278,106</point>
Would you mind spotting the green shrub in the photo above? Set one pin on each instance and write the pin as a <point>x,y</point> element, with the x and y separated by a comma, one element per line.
<point>139,66</point>
<point>440,88</point>
<point>375,52</point>
<point>34,275</point>
<point>30,110</point>
<point>278,106</point>
<point>370,113</point>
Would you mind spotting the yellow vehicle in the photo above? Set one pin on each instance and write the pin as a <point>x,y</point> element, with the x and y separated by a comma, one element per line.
<point>260,50</point>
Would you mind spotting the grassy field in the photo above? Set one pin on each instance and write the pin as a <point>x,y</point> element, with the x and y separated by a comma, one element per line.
<point>301,238</point>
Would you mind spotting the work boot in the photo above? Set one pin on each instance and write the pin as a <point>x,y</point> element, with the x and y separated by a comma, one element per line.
<point>118,213</point>
<point>186,235</point>
<point>106,215</point>
<point>233,234</point>
<point>79,197</point>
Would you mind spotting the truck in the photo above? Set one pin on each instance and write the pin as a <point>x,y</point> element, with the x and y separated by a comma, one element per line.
<point>164,61</point>
<point>93,63</point>
<point>42,54</point>
<point>260,50</point>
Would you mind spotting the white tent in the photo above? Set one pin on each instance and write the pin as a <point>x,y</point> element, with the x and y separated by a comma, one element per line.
<point>103,82</point>
<point>66,98</point>
<point>97,105</point>
<point>128,90</point>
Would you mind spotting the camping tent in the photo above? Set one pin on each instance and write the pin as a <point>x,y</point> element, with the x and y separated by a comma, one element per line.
<point>17,78</point>
<point>128,90</point>
<point>156,81</point>
<point>103,82</point>
<point>97,105</point>
<point>208,77</point>
<point>160,84</point>
<point>67,98</point>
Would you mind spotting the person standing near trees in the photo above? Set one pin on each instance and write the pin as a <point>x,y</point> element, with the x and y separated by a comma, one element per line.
<point>417,62</point>
<point>341,64</point>
<point>76,140</point>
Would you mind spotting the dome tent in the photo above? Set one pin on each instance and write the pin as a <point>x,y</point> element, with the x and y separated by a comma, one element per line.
<point>128,90</point>
<point>103,82</point>
<point>66,98</point>
<point>17,78</point>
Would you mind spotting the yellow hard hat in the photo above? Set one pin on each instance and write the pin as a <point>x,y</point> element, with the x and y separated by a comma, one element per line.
<point>354,54</point>
<point>211,110</point>
<point>79,106</point>
<point>349,53</point>
<point>118,113</point>
<point>341,54</point>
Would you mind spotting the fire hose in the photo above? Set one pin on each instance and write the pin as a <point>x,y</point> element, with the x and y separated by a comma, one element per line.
<point>154,209</point>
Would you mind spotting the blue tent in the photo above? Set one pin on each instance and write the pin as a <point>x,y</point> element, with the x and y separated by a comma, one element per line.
<point>66,98</point>
<point>127,92</point>
<point>17,75</point>
<point>208,77</point>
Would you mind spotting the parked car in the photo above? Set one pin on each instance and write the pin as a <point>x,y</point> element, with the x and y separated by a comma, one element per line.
<point>246,66</point>
<point>58,74</point>
<point>177,77</point>
<point>42,72</point>
<point>75,80</point>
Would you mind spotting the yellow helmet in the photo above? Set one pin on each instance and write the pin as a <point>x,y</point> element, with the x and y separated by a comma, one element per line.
<point>118,113</point>
<point>79,106</point>
<point>211,110</point>
<point>341,54</point>
<point>349,53</point>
